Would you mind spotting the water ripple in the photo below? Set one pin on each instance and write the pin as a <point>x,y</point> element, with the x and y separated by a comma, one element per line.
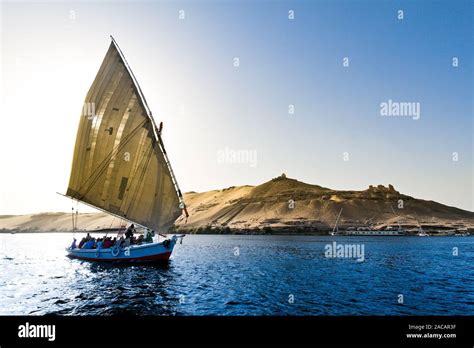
<point>271,275</point>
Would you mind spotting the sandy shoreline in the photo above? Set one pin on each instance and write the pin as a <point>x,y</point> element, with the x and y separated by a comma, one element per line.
<point>279,206</point>
<point>44,227</point>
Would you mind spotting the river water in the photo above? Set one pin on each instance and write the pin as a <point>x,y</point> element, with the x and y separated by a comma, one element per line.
<point>244,275</point>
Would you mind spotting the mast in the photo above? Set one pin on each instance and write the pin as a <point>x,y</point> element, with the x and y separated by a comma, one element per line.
<point>336,229</point>
<point>155,128</point>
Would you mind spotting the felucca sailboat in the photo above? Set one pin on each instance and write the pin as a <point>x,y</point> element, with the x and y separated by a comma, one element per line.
<point>120,165</point>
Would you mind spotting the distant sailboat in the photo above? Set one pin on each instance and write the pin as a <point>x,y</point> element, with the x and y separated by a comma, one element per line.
<point>335,230</point>
<point>120,165</point>
<point>422,233</point>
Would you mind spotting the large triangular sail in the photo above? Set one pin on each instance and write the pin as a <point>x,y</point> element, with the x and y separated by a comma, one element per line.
<point>120,164</point>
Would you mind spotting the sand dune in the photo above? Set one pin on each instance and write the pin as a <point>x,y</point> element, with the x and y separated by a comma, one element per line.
<point>56,222</point>
<point>281,205</point>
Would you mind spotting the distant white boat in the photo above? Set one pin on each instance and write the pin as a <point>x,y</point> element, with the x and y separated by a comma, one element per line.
<point>335,230</point>
<point>369,232</point>
<point>422,233</point>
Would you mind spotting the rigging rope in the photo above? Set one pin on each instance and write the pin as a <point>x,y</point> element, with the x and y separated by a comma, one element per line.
<point>110,227</point>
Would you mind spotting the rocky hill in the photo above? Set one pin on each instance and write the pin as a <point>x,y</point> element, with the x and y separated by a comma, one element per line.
<point>281,205</point>
<point>289,206</point>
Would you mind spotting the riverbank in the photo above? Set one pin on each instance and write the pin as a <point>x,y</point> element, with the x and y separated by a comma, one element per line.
<point>282,231</point>
<point>281,206</point>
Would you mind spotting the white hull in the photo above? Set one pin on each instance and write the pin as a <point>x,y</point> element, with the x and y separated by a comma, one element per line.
<point>374,233</point>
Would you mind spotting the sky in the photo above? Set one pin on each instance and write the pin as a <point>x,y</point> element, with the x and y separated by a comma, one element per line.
<point>248,90</point>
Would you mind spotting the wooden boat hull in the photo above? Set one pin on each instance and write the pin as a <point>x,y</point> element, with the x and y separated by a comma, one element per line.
<point>150,252</point>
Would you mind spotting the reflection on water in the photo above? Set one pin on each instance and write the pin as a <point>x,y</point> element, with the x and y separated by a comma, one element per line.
<point>242,275</point>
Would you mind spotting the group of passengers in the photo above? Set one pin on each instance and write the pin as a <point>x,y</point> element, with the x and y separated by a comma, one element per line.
<point>105,242</point>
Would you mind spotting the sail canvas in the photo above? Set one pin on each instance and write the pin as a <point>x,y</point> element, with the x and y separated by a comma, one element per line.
<point>120,164</point>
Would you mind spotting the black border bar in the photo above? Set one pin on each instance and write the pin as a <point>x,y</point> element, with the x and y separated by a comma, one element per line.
<point>194,331</point>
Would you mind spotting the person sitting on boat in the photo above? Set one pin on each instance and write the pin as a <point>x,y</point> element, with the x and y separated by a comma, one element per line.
<point>139,239</point>
<point>125,243</point>
<point>119,242</point>
<point>88,237</point>
<point>81,243</point>
<point>88,244</point>
<point>100,244</point>
<point>107,243</point>
<point>73,245</point>
<point>130,231</point>
<point>149,236</point>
